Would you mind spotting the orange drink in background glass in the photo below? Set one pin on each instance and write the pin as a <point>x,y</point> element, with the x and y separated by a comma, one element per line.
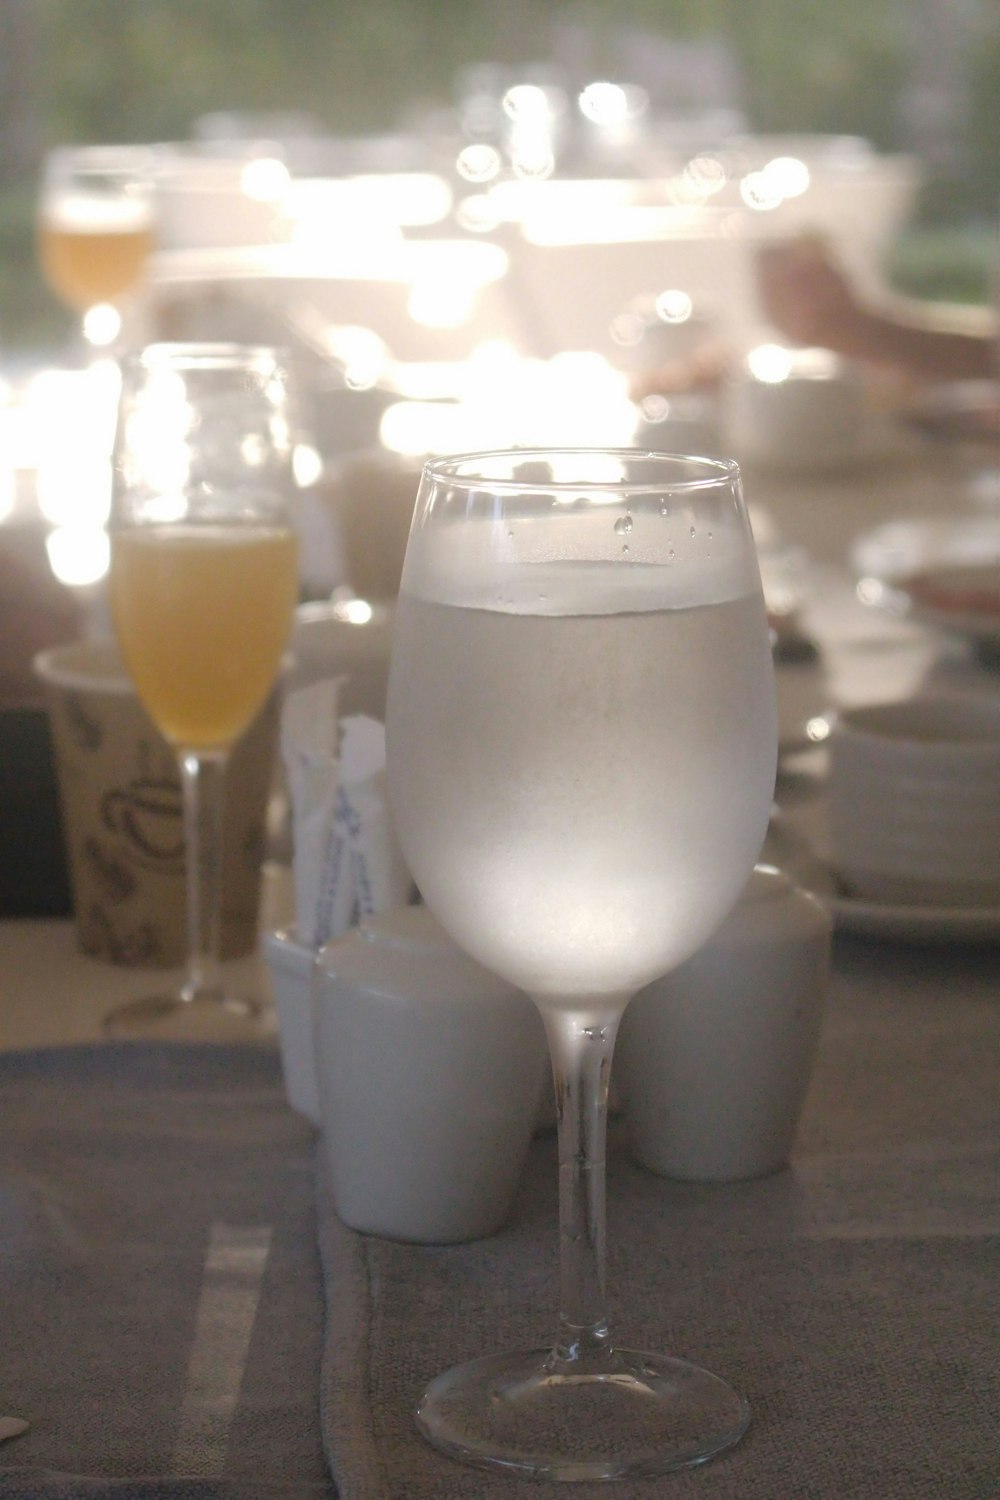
<point>203,586</point>
<point>95,223</point>
<point>202,616</point>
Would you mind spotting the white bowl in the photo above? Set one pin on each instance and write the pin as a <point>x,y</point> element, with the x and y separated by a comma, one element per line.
<point>349,640</point>
<point>915,801</point>
<point>808,412</point>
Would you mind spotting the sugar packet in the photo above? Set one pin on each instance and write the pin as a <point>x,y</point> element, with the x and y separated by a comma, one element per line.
<point>346,861</point>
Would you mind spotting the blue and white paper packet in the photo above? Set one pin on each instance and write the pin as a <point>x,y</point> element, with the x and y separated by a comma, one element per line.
<point>346,862</point>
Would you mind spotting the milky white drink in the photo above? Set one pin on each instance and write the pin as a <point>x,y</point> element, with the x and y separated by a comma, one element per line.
<point>582,771</point>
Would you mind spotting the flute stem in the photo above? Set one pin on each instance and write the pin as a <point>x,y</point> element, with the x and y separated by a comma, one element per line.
<point>203,785</point>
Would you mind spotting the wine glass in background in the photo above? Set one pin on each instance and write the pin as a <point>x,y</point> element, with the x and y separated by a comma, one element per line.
<point>202,587</point>
<point>582,744</point>
<point>95,230</point>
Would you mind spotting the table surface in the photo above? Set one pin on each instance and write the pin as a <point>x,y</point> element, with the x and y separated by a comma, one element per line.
<point>880,989</point>
<point>51,994</point>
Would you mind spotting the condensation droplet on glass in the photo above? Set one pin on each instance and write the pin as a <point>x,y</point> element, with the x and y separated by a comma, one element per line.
<point>623,525</point>
<point>625,549</point>
<point>664,508</point>
<point>671,554</point>
<point>693,532</point>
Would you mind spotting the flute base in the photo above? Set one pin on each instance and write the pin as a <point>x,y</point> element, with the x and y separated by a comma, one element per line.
<point>210,1016</point>
<point>639,1415</point>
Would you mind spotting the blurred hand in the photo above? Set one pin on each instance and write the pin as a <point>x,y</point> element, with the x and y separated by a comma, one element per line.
<point>809,300</point>
<point>806,296</point>
<point>702,370</point>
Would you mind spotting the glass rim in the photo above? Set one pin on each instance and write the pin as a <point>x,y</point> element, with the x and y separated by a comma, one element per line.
<point>714,471</point>
<point>207,355</point>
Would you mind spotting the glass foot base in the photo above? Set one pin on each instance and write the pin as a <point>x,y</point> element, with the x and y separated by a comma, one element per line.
<point>643,1414</point>
<point>172,1018</point>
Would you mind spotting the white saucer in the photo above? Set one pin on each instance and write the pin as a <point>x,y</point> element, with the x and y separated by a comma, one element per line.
<point>908,545</point>
<point>937,596</point>
<point>917,924</point>
<point>932,571</point>
<point>801,858</point>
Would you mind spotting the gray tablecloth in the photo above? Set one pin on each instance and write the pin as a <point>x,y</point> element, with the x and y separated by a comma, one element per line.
<point>160,1293</point>
<point>852,1298</point>
<point>162,1302</point>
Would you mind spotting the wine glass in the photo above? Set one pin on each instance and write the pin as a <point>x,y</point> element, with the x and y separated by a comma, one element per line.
<point>203,583</point>
<point>582,743</point>
<point>95,224</point>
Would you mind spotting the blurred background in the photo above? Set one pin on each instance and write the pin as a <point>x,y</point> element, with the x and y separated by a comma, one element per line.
<point>475,225</point>
<point>469,226</point>
<point>391,85</point>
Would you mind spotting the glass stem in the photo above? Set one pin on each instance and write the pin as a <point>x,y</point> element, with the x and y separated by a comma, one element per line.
<point>581,1043</point>
<point>203,785</point>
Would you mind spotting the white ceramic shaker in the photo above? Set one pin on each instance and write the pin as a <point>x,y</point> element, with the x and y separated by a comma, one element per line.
<point>430,1072</point>
<point>291,966</point>
<point>713,1062</point>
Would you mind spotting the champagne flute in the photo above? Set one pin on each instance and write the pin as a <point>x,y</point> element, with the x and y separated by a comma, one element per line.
<point>582,743</point>
<point>95,224</point>
<point>203,583</point>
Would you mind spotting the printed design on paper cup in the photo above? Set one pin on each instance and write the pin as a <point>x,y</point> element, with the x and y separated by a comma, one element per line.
<point>114,879</point>
<point>83,727</point>
<point>141,945</point>
<point>133,856</point>
<point>147,814</point>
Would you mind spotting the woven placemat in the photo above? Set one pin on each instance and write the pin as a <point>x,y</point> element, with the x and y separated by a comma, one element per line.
<point>160,1286</point>
<point>851,1297</point>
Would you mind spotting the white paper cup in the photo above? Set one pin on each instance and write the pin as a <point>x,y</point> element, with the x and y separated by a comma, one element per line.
<point>915,801</point>
<point>120,797</point>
